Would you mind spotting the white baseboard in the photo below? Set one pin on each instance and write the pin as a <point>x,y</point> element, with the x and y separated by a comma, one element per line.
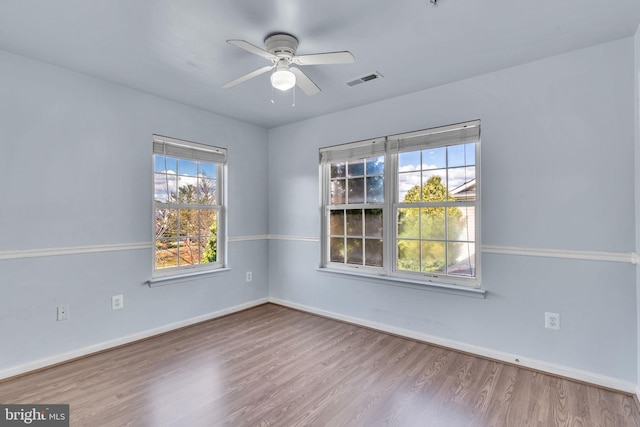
<point>85,351</point>
<point>576,374</point>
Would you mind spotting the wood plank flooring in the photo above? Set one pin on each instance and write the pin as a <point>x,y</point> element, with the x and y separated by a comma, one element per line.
<point>273,366</point>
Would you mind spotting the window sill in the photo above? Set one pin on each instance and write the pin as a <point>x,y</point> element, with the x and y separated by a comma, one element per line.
<point>183,277</point>
<point>408,283</point>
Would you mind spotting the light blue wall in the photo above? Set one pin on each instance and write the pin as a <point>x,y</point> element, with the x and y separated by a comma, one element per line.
<point>75,158</point>
<point>557,172</point>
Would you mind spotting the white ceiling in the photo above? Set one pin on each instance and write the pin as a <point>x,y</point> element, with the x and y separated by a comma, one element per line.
<point>177,49</point>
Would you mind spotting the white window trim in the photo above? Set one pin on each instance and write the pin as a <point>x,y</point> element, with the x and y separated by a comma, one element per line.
<point>183,277</point>
<point>406,282</point>
<point>189,150</point>
<point>392,145</point>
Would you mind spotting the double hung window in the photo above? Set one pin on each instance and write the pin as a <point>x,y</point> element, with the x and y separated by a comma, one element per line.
<point>404,205</point>
<point>188,205</point>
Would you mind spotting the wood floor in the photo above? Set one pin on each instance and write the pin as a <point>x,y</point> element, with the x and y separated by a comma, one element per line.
<point>273,366</point>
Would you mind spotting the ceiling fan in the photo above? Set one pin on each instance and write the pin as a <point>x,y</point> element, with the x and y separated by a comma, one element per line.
<point>280,49</point>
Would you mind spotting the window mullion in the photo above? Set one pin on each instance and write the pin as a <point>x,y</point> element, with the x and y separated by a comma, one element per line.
<point>346,184</point>
<point>344,234</point>
<point>446,237</point>
<point>390,231</point>
<point>161,205</point>
<point>437,204</point>
<point>362,215</point>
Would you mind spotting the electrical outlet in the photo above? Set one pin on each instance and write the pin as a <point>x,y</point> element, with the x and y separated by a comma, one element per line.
<point>249,276</point>
<point>117,302</point>
<point>63,312</point>
<point>552,321</point>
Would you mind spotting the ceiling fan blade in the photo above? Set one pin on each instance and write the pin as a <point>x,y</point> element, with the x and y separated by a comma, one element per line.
<point>325,58</point>
<point>249,76</point>
<point>304,82</point>
<point>252,49</point>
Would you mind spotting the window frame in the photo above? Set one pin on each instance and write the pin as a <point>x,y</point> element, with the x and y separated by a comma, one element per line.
<point>191,151</point>
<point>393,146</point>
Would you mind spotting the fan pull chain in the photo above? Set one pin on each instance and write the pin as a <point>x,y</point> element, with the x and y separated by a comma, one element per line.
<point>293,104</point>
<point>272,101</point>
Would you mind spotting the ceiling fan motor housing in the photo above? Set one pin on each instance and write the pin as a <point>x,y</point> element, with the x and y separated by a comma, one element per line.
<point>282,45</point>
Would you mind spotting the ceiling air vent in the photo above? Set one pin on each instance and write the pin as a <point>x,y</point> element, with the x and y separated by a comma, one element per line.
<point>364,79</point>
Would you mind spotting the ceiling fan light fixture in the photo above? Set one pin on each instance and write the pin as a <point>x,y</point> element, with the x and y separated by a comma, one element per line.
<point>281,52</point>
<point>283,79</point>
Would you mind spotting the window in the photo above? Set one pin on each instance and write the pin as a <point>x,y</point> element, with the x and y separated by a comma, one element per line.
<point>188,205</point>
<point>404,206</point>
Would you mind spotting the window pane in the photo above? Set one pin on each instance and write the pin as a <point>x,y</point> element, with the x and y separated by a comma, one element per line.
<point>354,251</point>
<point>187,190</point>
<point>408,255</point>
<point>355,168</point>
<point>159,163</point>
<point>470,153</point>
<point>208,235</point>
<point>207,191</point>
<point>166,253</point>
<point>164,186</point>
<point>166,223</point>
<point>408,223</point>
<point>462,183</point>
<point>433,225</point>
<point>408,162</point>
<point>462,155</point>
<point>336,249</point>
<point>338,191</point>
<point>462,259</point>
<point>373,252</point>
<point>189,222</point>
<point>373,222</point>
<point>375,166</point>
<point>435,158</point>
<point>375,189</point>
<point>356,190</point>
<point>336,226</point>
<point>207,169</point>
<point>208,249</point>
<point>188,251</point>
<point>202,248</point>
<point>208,222</point>
<point>434,187</point>
<point>354,222</point>
<point>461,223</point>
<point>187,167</point>
<point>433,257</point>
<point>409,187</point>
<point>338,170</point>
